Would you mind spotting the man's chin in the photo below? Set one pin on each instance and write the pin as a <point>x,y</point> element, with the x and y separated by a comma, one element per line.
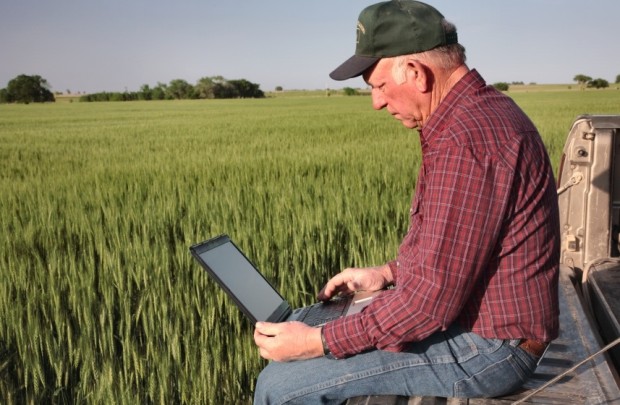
<point>410,124</point>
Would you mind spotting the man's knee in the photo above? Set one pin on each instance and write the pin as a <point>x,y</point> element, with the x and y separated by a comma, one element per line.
<point>269,386</point>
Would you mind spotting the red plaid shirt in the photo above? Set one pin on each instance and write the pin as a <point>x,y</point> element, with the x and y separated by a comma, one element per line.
<point>484,240</point>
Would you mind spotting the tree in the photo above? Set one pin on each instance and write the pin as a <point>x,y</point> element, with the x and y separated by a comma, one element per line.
<point>598,83</point>
<point>204,87</point>
<point>159,92</point>
<point>145,92</point>
<point>350,91</point>
<point>4,96</point>
<point>501,86</point>
<point>180,89</point>
<point>582,80</point>
<point>618,79</point>
<point>27,89</point>
<point>246,89</point>
<point>217,87</point>
<point>224,90</point>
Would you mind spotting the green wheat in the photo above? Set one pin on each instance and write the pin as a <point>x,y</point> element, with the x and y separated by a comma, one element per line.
<point>100,300</point>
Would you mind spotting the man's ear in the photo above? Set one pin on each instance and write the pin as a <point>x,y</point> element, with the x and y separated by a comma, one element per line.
<point>419,75</point>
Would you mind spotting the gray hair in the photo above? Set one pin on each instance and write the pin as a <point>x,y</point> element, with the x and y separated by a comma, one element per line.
<point>446,57</point>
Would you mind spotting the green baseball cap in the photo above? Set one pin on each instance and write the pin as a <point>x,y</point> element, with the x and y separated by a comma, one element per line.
<point>394,28</point>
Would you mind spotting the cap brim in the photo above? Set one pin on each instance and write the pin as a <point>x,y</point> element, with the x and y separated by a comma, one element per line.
<point>353,67</point>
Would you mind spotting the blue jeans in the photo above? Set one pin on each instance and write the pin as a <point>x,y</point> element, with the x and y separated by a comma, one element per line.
<point>453,363</point>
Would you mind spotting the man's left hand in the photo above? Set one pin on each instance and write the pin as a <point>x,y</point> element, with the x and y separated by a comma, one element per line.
<point>288,341</point>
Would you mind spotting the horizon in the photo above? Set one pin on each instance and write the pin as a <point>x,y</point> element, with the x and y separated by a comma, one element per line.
<point>513,87</point>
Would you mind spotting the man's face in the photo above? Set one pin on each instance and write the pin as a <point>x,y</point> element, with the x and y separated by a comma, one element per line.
<point>401,100</point>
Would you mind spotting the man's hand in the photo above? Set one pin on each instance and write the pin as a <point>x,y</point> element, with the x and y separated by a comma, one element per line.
<point>354,279</point>
<point>288,341</point>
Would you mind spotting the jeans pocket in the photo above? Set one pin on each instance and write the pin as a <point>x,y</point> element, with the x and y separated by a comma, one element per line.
<point>500,378</point>
<point>467,345</point>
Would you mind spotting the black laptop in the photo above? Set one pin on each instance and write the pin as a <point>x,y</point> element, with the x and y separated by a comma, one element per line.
<point>256,297</point>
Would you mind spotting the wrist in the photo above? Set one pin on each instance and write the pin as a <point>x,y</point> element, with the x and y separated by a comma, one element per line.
<point>388,275</point>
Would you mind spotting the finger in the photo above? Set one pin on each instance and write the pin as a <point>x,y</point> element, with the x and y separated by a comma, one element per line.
<point>260,339</point>
<point>267,328</point>
<point>264,344</point>
<point>328,291</point>
<point>335,285</point>
<point>325,293</point>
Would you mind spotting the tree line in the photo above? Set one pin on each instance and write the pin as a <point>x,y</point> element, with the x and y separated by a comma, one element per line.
<point>179,89</point>
<point>32,89</point>
<point>35,89</point>
<point>587,81</point>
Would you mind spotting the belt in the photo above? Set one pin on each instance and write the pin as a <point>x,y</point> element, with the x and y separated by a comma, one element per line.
<point>533,347</point>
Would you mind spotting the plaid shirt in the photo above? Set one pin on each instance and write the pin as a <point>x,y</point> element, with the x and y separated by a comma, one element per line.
<point>484,240</point>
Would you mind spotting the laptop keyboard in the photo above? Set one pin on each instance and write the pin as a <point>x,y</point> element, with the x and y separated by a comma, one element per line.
<point>322,312</point>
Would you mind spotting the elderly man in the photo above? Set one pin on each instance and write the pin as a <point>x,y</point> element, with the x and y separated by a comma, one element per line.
<point>470,301</point>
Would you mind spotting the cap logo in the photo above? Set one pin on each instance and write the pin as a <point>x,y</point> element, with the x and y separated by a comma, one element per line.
<point>360,31</point>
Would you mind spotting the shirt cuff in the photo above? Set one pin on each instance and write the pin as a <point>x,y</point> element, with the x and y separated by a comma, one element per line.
<point>346,336</point>
<point>394,269</point>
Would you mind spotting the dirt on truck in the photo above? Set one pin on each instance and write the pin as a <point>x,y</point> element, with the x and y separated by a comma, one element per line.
<point>581,366</point>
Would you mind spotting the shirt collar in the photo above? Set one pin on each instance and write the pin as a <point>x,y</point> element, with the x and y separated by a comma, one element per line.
<point>438,120</point>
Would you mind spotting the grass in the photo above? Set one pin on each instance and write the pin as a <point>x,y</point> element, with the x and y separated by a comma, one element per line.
<point>100,299</point>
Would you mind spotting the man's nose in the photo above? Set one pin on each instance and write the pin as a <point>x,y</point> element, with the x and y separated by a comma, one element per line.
<point>378,99</point>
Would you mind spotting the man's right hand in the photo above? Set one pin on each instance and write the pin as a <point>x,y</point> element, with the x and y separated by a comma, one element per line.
<point>356,279</point>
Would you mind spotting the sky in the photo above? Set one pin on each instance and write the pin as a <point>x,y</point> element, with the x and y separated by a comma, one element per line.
<point>120,45</point>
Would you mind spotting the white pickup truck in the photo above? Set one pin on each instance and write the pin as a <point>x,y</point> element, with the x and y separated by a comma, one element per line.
<point>580,367</point>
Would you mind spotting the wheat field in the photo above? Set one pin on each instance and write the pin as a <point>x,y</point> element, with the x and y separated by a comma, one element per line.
<point>100,300</point>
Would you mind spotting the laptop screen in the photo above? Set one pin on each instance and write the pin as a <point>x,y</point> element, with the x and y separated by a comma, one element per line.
<point>238,276</point>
